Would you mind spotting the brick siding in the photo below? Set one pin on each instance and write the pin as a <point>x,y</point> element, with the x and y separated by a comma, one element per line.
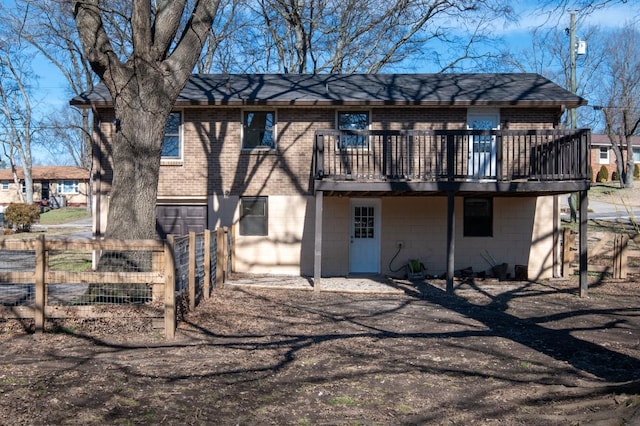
<point>213,161</point>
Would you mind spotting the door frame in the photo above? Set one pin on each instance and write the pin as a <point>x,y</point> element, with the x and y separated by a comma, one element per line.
<point>376,242</point>
<point>494,113</point>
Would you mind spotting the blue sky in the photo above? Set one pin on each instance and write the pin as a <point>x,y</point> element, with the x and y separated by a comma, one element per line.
<point>53,86</point>
<point>53,92</point>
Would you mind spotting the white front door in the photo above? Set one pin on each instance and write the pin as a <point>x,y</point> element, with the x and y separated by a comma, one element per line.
<point>482,149</point>
<point>364,247</point>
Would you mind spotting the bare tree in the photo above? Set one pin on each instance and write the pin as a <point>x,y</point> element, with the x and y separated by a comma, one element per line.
<point>226,23</point>
<point>620,97</point>
<point>48,27</point>
<point>346,36</point>
<point>143,84</point>
<point>17,123</point>
<point>66,128</point>
<point>549,55</point>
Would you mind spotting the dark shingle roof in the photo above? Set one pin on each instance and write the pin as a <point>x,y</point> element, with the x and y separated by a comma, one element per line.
<point>514,89</point>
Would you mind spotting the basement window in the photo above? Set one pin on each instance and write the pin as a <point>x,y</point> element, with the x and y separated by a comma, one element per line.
<point>478,217</point>
<point>254,218</point>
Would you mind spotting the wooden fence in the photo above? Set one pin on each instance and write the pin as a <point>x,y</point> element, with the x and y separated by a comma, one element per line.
<point>57,278</point>
<point>613,254</point>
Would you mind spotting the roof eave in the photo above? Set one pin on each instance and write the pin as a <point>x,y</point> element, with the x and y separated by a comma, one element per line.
<point>351,103</point>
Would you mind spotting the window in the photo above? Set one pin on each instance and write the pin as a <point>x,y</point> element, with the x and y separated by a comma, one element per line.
<point>636,155</point>
<point>478,217</point>
<point>68,187</point>
<point>604,155</point>
<point>353,120</point>
<point>5,185</point>
<point>258,130</point>
<point>253,216</point>
<point>23,187</point>
<point>171,145</point>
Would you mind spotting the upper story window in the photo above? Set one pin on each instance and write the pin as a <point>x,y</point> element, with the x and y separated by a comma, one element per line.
<point>5,185</point>
<point>259,130</point>
<point>604,155</point>
<point>172,142</point>
<point>68,187</point>
<point>353,120</point>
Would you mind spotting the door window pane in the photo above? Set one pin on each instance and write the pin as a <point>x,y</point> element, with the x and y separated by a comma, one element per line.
<point>363,222</point>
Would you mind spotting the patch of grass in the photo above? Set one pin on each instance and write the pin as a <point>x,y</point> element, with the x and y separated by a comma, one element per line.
<point>404,408</point>
<point>74,261</point>
<point>63,215</point>
<point>347,401</point>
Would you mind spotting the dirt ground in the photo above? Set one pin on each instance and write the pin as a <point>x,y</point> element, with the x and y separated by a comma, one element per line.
<point>503,353</point>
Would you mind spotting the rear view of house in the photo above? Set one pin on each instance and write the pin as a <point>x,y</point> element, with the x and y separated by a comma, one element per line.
<point>344,174</point>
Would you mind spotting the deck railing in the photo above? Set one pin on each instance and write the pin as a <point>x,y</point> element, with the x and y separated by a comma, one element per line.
<point>450,155</point>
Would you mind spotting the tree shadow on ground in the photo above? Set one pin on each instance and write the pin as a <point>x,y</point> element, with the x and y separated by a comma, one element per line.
<point>559,344</point>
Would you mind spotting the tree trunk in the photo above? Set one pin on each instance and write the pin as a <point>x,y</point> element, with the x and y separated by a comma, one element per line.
<point>628,176</point>
<point>136,158</point>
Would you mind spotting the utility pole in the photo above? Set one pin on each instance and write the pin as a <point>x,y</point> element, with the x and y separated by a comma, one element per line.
<point>572,63</point>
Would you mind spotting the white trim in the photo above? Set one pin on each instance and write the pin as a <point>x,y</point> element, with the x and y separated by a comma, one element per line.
<point>604,160</point>
<point>374,255</point>
<point>478,161</point>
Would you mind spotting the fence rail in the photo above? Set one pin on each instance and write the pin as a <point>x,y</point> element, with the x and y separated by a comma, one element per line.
<point>449,155</point>
<point>614,254</point>
<point>55,278</point>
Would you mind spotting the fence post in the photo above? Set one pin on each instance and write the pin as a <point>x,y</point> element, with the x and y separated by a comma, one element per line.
<point>225,254</point>
<point>620,243</point>
<point>169,289</point>
<point>207,263</point>
<point>567,243</point>
<point>39,284</point>
<point>220,257</point>
<point>232,248</point>
<point>192,271</point>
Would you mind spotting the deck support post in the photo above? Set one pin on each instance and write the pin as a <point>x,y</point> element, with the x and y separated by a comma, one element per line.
<point>317,255</point>
<point>451,237</point>
<point>584,285</point>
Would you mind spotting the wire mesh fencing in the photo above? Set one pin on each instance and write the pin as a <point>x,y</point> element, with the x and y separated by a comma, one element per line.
<point>49,277</point>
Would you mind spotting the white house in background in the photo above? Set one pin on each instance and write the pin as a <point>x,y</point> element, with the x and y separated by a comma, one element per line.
<point>52,185</point>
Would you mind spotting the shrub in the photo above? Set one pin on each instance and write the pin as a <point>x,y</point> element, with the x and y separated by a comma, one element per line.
<point>636,171</point>
<point>603,174</point>
<point>590,173</point>
<point>615,176</point>
<point>22,216</point>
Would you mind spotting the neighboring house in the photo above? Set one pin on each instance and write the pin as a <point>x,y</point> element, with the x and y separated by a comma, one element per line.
<point>342,174</point>
<point>603,155</point>
<point>52,185</point>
